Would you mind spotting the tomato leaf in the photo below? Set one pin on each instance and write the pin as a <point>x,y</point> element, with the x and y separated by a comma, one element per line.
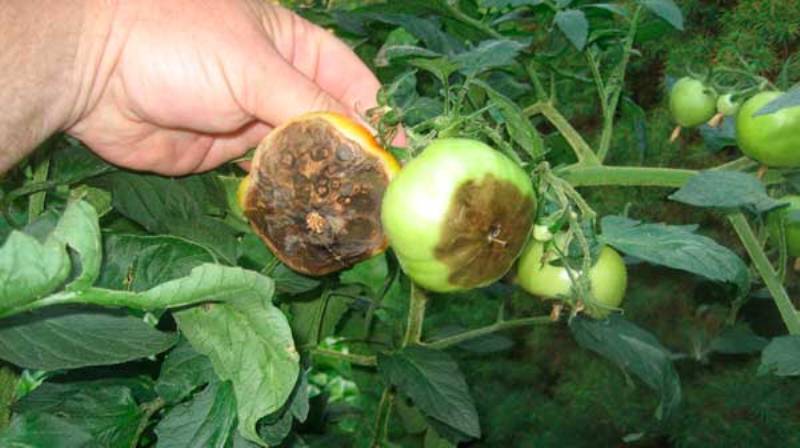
<point>721,136</point>
<point>106,412</point>
<point>184,207</point>
<point>667,10</point>
<point>70,337</point>
<point>677,247</point>
<point>314,320</point>
<point>39,430</point>
<point>573,23</point>
<point>140,262</point>
<point>400,44</point>
<point>205,420</point>
<point>738,339</point>
<point>781,357</point>
<point>30,269</point>
<point>72,162</point>
<point>610,7</point>
<point>426,30</point>
<point>290,282</point>
<point>725,189</point>
<point>790,98</point>
<point>275,428</point>
<point>487,55</point>
<point>249,343</point>
<point>442,68</point>
<point>519,127</point>
<point>432,379</point>
<point>634,350</point>
<point>80,230</point>
<point>508,3</point>
<point>371,273</point>
<point>183,371</point>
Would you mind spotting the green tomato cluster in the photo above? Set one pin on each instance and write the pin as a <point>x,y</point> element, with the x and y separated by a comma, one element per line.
<point>540,274</point>
<point>772,139</point>
<point>460,214</point>
<point>691,102</point>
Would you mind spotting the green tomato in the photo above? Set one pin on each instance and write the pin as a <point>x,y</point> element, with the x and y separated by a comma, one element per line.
<point>608,278</point>
<point>791,228</point>
<point>726,106</point>
<point>772,139</point>
<point>691,102</point>
<point>458,215</point>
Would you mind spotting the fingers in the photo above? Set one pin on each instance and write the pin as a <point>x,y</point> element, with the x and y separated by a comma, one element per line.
<point>277,92</point>
<point>232,146</point>
<point>324,59</point>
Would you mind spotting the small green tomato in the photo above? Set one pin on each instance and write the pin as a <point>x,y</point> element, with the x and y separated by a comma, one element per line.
<point>608,278</point>
<point>691,102</point>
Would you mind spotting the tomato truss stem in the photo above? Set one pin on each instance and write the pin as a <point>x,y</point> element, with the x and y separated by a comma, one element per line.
<point>582,149</point>
<point>768,274</point>
<point>500,325</point>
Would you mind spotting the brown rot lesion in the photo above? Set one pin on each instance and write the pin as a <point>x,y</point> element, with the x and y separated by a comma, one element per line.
<point>487,225</point>
<point>316,198</point>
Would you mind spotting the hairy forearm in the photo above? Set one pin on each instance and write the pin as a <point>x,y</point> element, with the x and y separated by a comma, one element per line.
<point>50,54</point>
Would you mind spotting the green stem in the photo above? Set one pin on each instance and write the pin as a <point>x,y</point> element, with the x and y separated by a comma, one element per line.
<point>533,74</point>
<point>585,176</point>
<point>764,268</point>
<point>467,20</point>
<point>413,334</point>
<point>582,149</point>
<point>740,164</point>
<point>598,81</point>
<point>148,409</point>
<point>500,325</point>
<point>37,200</point>
<point>617,84</point>
<point>383,414</point>
<point>54,299</point>
<point>359,360</point>
<point>416,316</point>
<point>8,388</point>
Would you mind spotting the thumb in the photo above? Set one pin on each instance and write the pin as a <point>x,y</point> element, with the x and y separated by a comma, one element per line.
<point>277,92</point>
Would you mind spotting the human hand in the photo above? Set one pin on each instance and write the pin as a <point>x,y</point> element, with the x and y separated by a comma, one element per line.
<point>183,86</point>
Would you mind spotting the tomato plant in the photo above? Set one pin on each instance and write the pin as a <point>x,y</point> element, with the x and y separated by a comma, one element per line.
<point>139,311</point>
<point>771,139</point>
